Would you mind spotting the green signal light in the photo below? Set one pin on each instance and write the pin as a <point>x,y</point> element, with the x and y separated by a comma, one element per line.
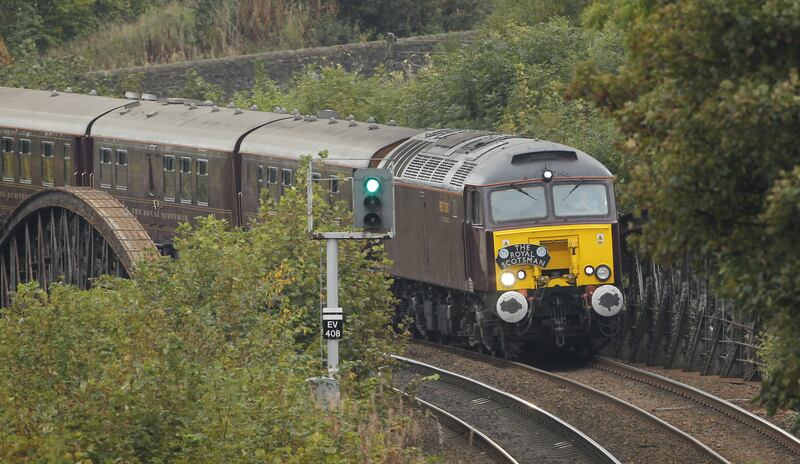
<point>372,185</point>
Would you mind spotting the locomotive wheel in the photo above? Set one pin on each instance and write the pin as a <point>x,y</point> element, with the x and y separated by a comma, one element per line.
<point>70,235</point>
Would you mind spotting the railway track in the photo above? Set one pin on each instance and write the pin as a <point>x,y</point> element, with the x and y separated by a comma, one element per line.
<point>628,432</point>
<point>514,430</point>
<point>736,434</point>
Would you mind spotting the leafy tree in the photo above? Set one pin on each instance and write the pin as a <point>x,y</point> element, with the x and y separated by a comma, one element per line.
<point>204,358</point>
<point>708,103</point>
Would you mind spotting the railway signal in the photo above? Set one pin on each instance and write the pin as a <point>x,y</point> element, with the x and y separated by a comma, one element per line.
<point>373,200</point>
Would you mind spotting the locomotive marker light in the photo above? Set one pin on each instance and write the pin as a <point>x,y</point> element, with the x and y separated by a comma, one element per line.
<point>602,272</point>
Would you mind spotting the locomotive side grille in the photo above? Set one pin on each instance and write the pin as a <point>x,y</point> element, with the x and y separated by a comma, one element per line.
<point>461,174</point>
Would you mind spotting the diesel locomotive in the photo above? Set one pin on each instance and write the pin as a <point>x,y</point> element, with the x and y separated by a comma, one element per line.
<point>500,240</point>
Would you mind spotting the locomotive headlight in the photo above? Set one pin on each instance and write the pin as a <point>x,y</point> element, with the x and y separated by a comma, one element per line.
<point>588,270</point>
<point>521,274</point>
<point>603,272</point>
<point>547,175</point>
<point>507,279</point>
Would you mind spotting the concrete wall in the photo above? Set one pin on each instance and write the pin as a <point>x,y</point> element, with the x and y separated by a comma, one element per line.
<point>238,73</point>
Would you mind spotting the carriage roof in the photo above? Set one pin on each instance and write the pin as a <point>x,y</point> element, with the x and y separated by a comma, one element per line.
<point>56,112</point>
<point>348,143</point>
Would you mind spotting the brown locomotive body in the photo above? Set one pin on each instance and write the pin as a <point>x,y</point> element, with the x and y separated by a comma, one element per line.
<point>459,199</point>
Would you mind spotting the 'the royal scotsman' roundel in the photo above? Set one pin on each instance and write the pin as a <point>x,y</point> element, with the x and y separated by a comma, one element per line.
<point>512,307</point>
<point>607,300</point>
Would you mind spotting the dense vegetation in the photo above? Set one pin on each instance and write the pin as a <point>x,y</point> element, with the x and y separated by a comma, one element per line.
<point>696,113</point>
<point>204,358</point>
<point>118,33</point>
<point>709,104</point>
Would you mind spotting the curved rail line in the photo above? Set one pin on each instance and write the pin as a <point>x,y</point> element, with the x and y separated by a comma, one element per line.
<point>472,434</point>
<point>786,440</point>
<point>710,454</point>
<point>557,440</point>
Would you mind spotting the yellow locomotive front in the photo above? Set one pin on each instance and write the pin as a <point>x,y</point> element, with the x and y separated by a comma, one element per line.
<point>555,249</point>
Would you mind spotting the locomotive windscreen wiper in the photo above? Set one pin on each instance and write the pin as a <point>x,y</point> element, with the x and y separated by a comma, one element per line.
<point>518,189</point>
<point>573,189</point>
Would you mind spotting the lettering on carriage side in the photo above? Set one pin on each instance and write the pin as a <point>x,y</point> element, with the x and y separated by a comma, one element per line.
<point>14,195</point>
<point>524,254</point>
<point>144,212</point>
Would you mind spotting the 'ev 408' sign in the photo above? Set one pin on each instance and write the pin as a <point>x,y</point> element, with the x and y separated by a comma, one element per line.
<point>524,254</point>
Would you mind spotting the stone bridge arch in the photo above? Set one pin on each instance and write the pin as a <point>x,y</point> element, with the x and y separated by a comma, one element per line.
<point>70,235</point>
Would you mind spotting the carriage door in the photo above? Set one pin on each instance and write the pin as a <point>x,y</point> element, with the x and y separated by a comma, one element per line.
<point>475,240</point>
<point>154,179</point>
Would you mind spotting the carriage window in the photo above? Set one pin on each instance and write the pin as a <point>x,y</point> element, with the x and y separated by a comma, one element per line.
<point>273,175</point>
<point>287,177</point>
<point>202,182</point>
<point>259,181</point>
<point>67,165</point>
<point>48,172</point>
<point>186,180</point>
<point>169,178</point>
<point>8,159</point>
<point>316,178</point>
<point>518,203</point>
<point>580,199</point>
<point>105,167</point>
<point>25,161</point>
<point>122,170</point>
<point>475,211</point>
<point>335,185</point>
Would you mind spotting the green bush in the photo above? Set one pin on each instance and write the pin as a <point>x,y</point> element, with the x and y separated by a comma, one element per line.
<point>204,358</point>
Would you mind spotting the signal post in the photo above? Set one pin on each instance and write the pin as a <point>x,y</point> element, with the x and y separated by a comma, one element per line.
<point>373,210</point>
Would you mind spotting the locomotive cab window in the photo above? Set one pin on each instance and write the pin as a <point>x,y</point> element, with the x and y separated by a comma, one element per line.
<point>202,182</point>
<point>48,169</point>
<point>8,159</point>
<point>68,174</point>
<point>122,170</point>
<point>25,161</point>
<point>474,208</point>
<point>580,199</point>
<point>518,203</point>
<point>186,180</point>
<point>169,178</point>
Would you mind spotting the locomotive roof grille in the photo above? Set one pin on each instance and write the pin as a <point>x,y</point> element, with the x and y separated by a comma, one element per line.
<point>544,155</point>
<point>407,153</point>
<point>461,174</point>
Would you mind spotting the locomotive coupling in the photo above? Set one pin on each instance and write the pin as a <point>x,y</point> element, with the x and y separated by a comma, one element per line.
<point>607,300</point>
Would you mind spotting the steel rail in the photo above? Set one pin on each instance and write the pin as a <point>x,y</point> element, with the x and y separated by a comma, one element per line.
<point>542,418</point>
<point>572,384</point>
<point>464,429</point>
<point>744,417</point>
